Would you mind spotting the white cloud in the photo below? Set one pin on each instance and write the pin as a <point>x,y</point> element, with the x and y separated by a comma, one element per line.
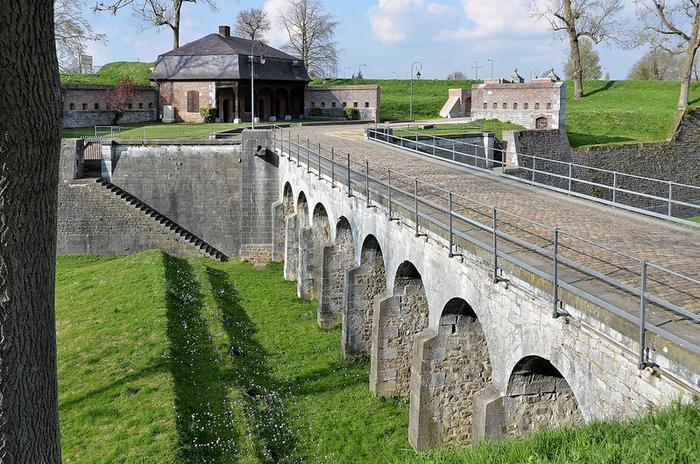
<point>395,21</point>
<point>277,35</point>
<point>495,18</point>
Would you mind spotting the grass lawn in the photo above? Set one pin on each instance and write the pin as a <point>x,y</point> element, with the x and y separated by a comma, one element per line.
<point>488,125</point>
<point>694,219</point>
<point>166,360</point>
<point>158,130</point>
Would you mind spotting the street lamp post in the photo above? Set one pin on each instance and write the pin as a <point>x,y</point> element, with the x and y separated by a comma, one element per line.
<point>252,79</point>
<point>418,66</point>
<point>359,71</point>
<point>476,68</point>
<point>491,61</point>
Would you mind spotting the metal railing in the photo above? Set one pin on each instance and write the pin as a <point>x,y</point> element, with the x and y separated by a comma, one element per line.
<point>663,199</point>
<point>609,278</point>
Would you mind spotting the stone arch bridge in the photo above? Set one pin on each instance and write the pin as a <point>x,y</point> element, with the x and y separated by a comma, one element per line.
<point>476,336</point>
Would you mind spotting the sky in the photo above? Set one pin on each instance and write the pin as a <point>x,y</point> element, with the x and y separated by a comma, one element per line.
<point>387,36</point>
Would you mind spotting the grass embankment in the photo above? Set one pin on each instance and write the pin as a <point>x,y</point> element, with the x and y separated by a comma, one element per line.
<point>166,360</point>
<point>158,130</point>
<point>111,73</point>
<point>488,125</point>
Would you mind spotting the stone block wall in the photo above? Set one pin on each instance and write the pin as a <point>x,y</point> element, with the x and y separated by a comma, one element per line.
<point>332,100</point>
<point>365,283</point>
<point>336,261</point>
<point>291,248</point>
<point>85,106</point>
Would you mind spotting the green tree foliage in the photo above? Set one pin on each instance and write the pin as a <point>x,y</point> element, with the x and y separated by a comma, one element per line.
<point>590,62</point>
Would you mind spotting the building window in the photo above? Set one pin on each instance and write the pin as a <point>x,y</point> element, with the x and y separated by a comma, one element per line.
<point>97,106</point>
<point>495,105</point>
<point>192,101</point>
<point>323,104</point>
<point>505,106</point>
<point>486,105</point>
<point>537,106</point>
<point>515,106</point>
<point>332,104</point>
<point>354,104</point>
<point>150,105</point>
<point>84,106</point>
<point>72,106</point>
<point>131,106</point>
<point>140,106</point>
<point>549,106</point>
<point>313,104</point>
<point>525,105</point>
<point>366,104</point>
<point>345,104</point>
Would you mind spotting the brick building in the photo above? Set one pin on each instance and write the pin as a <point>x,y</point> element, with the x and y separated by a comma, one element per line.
<point>215,70</point>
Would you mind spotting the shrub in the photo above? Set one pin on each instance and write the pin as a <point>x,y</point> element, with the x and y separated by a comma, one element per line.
<point>208,114</point>
<point>352,113</point>
<point>119,97</point>
<point>315,112</point>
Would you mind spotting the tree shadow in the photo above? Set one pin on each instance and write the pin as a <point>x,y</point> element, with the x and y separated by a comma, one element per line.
<point>578,140</point>
<point>608,85</point>
<point>203,417</point>
<point>263,395</point>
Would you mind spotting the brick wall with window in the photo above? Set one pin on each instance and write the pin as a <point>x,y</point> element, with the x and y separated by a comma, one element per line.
<point>366,98</point>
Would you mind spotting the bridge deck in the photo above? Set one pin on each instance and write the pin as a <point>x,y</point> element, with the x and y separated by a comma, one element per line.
<point>674,247</point>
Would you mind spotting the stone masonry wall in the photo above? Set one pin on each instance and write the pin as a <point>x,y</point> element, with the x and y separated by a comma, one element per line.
<point>332,100</point>
<point>405,316</point>
<point>92,221</point>
<point>85,106</point>
<point>336,260</point>
<point>535,401</point>
<point>365,282</point>
<point>291,248</point>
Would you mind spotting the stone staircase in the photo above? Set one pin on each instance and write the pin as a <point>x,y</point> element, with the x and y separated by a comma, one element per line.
<point>165,222</point>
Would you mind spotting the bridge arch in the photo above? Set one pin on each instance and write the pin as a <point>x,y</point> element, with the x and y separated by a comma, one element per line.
<point>312,240</point>
<point>337,259</point>
<point>287,212</point>
<point>366,282</point>
<point>451,366</point>
<point>538,396</point>
<point>396,321</point>
<point>303,210</point>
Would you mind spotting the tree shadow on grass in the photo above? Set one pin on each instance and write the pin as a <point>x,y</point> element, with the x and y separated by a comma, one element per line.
<point>263,395</point>
<point>577,140</point>
<point>608,85</point>
<point>203,417</point>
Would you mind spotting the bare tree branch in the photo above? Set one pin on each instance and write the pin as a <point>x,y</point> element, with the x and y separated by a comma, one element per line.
<point>71,32</point>
<point>252,24</point>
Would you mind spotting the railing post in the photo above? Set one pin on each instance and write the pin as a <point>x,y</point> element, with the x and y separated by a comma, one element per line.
<point>415,204</point>
<point>449,212</point>
<point>494,233</point>
<point>388,182</point>
<point>434,144</point>
<point>454,150</point>
<point>670,198</point>
<point>642,317</point>
<point>555,275</point>
<point>369,204</point>
<point>308,156</point>
<point>570,175</point>
<point>332,167</point>
<point>614,192</point>
<point>319,160</point>
<point>534,161</point>
<point>299,150</point>
<point>349,178</point>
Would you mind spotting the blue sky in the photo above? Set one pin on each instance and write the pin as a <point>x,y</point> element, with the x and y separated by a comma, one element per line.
<point>386,35</point>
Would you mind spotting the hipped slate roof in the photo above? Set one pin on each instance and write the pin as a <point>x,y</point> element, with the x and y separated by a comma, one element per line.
<point>215,57</point>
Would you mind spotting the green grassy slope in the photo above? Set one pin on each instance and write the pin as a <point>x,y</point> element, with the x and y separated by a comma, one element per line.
<point>111,73</point>
<point>166,360</point>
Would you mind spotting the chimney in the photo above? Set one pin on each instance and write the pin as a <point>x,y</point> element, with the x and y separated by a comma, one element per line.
<point>225,31</point>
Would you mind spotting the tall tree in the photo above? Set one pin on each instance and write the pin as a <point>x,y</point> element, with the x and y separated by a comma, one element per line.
<point>595,19</point>
<point>155,13</point>
<point>30,137</point>
<point>673,25</point>
<point>252,24</point>
<point>72,32</point>
<point>590,62</point>
<point>311,32</point>
<point>656,65</point>
<point>456,76</point>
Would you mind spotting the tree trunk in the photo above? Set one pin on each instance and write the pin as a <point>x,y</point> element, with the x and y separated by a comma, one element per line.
<point>30,135</point>
<point>574,49</point>
<point>686,76</point>
<point>175,26</point>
